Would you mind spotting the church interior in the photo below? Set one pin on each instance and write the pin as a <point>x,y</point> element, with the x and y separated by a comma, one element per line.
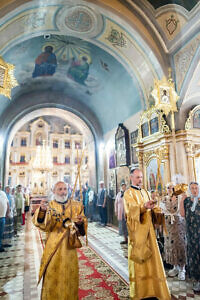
<point>90,90</point>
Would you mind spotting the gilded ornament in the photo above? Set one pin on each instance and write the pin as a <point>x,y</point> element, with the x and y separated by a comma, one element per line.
<point>189,148</point>
<point>164,128</point>
<point>165,95</point>
<point>180,188</point>
<point>7,78</point>
<point>156,124</point>
<point>159,153</point>
<point>165,152</point>
<point>193,121</point>
<point>148,155</point>
<point>140,159</point>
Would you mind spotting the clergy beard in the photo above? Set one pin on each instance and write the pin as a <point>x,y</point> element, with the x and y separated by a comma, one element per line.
<point>61,199</point>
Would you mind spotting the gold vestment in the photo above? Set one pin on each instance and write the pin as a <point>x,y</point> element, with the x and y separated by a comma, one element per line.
<point>146,272</point>
<point>59,264</point>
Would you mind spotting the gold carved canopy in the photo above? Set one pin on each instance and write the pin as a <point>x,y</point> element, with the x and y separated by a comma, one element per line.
<point>7,78</point>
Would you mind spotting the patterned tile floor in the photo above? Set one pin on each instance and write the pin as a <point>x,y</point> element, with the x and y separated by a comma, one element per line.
<point>106,242</point>
<point>19,265</point>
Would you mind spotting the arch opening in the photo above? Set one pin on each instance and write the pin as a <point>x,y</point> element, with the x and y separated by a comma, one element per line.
<point>62,168</point>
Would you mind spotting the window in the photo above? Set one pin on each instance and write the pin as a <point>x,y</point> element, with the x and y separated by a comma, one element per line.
<point>55,159</point>
<point>39,139</point>
<point>77,145</point>
<point>67,159</point>
<point>67,144</point>
<point>23,142</point>
<point>86,160</point>
<point>22,158</point>
<point>12,144</point>
<point>67,130</point>
<point>55,143</point>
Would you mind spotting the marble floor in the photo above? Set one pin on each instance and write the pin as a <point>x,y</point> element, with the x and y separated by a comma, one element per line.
<point>19,265</point>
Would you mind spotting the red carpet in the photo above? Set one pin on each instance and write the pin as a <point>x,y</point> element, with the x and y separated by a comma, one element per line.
<point>97,279</point>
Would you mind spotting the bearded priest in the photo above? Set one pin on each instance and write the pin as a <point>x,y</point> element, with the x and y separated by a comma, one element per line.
<point>64,221</point>
<point>146,272</point>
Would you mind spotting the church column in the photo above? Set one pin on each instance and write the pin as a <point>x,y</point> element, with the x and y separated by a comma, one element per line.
<point>142,167</point>
<point>190,158</point>
<point>140,160</point>
<point>167,174</point>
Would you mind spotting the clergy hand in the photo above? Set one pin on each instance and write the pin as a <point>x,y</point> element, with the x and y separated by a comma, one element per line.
<point>149,205</point>
<point>183,196</point>
<point>43,205</point>
<point>79,220</point>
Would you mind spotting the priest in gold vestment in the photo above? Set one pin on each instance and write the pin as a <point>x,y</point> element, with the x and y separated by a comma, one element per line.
<point>64,221</point>
<point>146,272</point>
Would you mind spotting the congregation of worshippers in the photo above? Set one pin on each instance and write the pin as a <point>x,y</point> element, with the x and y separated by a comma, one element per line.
<point>178,236</point>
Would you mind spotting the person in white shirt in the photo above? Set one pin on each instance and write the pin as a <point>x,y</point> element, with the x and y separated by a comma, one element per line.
<point>119,212</point>
<point>20,203</point>
<point>90,196</point>
<point>4,208</point>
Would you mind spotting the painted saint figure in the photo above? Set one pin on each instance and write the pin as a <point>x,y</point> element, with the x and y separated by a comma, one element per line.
<point>79,70</point>
<point>175,242</point>
<point>190,210</point>
<point>165,98</point>
<point>45,63</point>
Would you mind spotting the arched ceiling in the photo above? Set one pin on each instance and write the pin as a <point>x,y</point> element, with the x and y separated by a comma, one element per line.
<point>82,50</point>
<point>99,53</point>
<point>80,70</point>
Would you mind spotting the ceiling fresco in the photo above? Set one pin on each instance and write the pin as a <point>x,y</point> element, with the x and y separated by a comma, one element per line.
<point>80,70</point>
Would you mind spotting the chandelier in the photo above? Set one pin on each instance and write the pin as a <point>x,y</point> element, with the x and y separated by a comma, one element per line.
<point>43,158</point>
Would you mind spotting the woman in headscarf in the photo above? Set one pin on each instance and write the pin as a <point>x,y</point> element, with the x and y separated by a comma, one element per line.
<point>175,240</point>
<point>190,209</point>
<point>9,228</point>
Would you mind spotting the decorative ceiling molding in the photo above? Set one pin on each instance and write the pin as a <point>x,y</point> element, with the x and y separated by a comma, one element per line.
<point>183,58</point>
<point>188,21</point>
<point>136,25</point>
<point>80,20</point>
